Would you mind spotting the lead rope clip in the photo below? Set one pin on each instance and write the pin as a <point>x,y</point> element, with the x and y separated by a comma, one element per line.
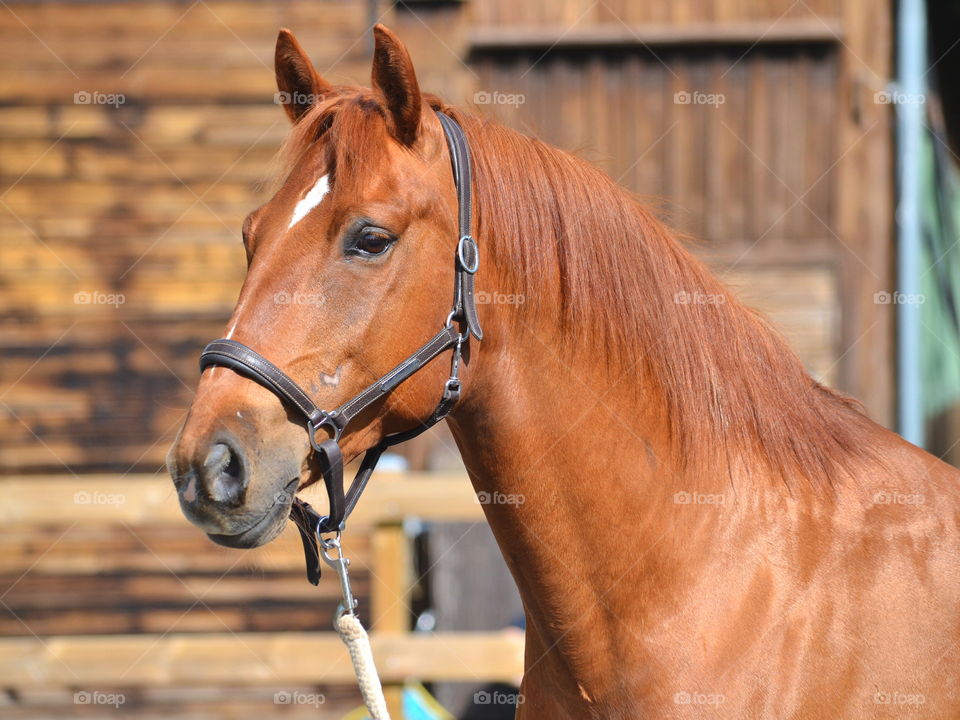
<point>348,603</point>
<point>351,632</point>
<point>451,389</point>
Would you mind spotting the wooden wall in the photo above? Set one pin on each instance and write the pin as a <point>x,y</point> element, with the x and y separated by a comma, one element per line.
<point>120,251</point>
<point>748,176</point>
<point>753,126</point>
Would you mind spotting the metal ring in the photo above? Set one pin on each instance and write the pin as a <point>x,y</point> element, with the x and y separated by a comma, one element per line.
<point>321,522</point>
<point>462,337</point>
<point>330,544</point>
<point>469,268</point>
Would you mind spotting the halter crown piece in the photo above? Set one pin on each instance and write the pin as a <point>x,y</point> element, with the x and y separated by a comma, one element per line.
<point>253,365</point>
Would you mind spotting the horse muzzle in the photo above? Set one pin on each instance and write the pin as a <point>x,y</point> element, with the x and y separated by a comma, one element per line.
<point>216,492</point>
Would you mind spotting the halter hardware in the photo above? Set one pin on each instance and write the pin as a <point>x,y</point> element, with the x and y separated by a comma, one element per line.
<point>249,363</point>
<point>468,255</point>
<point>340,563</point>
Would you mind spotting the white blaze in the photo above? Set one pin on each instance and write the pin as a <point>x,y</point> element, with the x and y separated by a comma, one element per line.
<point>310,200</point>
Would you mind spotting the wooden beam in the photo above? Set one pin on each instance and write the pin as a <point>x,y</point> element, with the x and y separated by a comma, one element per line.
<point>115,661</point>
<point>391,579</point>
<point>865,205</point>
<point>509,38</point>
<point>95,499</point>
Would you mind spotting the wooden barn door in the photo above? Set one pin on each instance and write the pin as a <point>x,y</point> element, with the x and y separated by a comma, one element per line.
<point>754,128</point>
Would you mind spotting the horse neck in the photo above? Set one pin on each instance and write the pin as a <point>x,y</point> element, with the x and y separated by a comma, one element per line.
<point>573,467</point>
<point>584,457</point>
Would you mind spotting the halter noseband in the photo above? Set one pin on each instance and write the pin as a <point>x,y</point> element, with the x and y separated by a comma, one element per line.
<point>250,364</point>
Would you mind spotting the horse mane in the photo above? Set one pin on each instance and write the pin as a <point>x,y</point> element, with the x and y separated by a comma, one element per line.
<point>561,233</point>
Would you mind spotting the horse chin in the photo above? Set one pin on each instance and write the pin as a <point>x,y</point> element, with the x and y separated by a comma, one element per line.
<point>267,525</point>
<point>267,528</point>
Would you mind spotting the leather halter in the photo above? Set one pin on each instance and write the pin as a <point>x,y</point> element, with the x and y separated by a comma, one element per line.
<point>253,365</point>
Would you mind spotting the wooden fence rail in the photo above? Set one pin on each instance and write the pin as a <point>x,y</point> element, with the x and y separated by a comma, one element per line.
<point>251,658</point>
<point>248,658</point>
<point>132,499</point>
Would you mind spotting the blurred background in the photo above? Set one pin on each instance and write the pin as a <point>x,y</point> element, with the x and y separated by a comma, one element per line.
<point>806,148</point>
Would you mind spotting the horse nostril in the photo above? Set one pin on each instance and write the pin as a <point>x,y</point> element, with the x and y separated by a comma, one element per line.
<point>218,458</point>
<point>223,474</point>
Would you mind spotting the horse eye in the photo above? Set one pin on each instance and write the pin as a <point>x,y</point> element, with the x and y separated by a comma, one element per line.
<point>373,241</point>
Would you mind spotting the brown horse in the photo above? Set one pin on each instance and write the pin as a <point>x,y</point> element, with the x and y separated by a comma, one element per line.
<point>705,531</point>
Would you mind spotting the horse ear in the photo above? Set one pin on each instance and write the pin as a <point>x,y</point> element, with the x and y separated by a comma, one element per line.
<point>299,83</point>
<point>396,84</point>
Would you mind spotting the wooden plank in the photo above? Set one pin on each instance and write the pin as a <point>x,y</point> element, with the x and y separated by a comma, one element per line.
<point>239,616</point>
<point>251,658</point>
<point>67,20</point>
<point>57,548</point>
<point>865,205</point>
<point>567,13</point>
<point>309,702</point>
<point>471,589</point>
<point>516,37</point>
<point>93,499</point>
<point>392,577</point>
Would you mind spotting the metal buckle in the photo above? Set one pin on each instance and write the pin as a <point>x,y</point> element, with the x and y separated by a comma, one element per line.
<point>329,420</point>
<point>468,267</point>
<point>451,391</point>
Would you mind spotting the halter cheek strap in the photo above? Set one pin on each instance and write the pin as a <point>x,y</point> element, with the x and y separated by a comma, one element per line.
<point>468,254</point>
<point>249,363</point>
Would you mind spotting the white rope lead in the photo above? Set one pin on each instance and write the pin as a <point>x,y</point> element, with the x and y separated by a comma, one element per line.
<point>355,638</point>
<point>351,632</point>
